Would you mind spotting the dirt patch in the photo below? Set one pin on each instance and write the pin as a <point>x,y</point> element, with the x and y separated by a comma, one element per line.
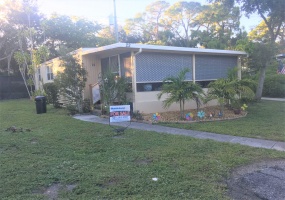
<point>119,137</point>
<point>143,161</point>
<point>33,141</point>
<point>258,181</point>
<point>52,191</point>
<point>110,182</point>
<point>211,114</point>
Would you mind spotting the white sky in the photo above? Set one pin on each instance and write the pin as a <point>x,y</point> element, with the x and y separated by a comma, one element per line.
<point>100,10</point>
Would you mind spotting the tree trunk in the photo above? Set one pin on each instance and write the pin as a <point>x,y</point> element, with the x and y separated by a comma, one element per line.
<point>25,82</point>
<point>180,105</point>
<point>183,105</point>
<point>259,89</point>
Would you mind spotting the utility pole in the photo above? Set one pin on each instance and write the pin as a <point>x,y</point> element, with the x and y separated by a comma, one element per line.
<point>115,21</point>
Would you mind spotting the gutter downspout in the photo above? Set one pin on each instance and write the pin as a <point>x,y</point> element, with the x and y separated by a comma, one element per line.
<point>138,52</point>
<point>134,77</point>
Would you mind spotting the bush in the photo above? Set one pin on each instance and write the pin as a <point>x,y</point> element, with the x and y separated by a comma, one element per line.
<point>71,81</point>
<point>86,106</point>
<point>72,109</point>
<point>52,94</point>
<point>137,115</point>
<point>274,86</point>
<point>38,93</point>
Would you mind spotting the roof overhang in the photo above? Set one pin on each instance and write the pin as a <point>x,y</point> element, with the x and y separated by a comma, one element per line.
<point>120,48</point>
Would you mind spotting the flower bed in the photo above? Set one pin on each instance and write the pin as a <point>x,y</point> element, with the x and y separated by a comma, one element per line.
<point>210,113</point>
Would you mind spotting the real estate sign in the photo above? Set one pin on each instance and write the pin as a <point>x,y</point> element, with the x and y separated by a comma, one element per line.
<point>120,113</point>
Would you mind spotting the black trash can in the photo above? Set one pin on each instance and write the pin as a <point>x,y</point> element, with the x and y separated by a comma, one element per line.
<point>41,104</point>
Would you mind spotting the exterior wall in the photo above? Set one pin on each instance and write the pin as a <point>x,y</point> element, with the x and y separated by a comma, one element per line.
<point>54,63</point>
<point>126,65</point>
<point>154,67</point>
<point>147,102</point>
<point>92,64</point>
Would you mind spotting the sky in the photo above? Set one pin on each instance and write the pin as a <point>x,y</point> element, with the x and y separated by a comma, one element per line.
<point>100,10</point>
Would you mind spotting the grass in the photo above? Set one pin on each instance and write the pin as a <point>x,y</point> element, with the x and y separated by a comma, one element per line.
<point>62,150</point>
<point>265,120</point>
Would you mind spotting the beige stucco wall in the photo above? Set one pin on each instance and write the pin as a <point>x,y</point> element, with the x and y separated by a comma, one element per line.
<point>92,64</point>
<point>147,102</point>
<point>54,63</point>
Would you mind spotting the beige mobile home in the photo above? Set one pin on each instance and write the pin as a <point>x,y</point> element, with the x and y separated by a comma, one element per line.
<point>147,66</point>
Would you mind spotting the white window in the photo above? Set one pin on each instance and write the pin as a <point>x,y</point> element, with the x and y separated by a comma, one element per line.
<point>49,73</point>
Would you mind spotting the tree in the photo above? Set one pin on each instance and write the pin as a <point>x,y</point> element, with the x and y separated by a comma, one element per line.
<point>16,17</point>
<point>179,20</point>
<point>8,45</point>
<point>230,89</point>
<point>30,54</point>
<point>71,32</point>
<point>260,58</point>
<point>259,33</point>
<point>273,14</point>
<point>155,13</point>
<point>217,25</point>
<point>72,81</point>
<point>147,25</point>
<point>178,90</point>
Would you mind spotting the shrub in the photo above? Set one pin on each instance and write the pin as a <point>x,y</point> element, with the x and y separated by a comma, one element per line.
<point>52,94</point>
<point>274,86</point>
<point>86,108</point>
<point>113,89</point>
<point>38,93</point>
<point>72,109</point>
<point>137,115</point>
<point>71,81</point>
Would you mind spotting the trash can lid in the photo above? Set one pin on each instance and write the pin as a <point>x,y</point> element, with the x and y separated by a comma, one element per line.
<point>39,97</point>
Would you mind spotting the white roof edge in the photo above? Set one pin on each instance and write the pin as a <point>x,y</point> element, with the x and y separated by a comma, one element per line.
<point>163,48</point>
<point>49,61</point>
<point>86,51</point>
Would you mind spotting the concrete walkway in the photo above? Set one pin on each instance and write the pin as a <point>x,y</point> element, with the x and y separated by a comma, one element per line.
<point>273,99</point>
<point>267,144</point>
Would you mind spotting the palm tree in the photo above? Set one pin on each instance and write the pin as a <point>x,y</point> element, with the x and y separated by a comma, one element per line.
<point>179,90</point>
<point>230,89</point>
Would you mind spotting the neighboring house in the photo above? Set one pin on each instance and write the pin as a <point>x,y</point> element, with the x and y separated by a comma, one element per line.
<point>147,66</point>
<point>46,72</point>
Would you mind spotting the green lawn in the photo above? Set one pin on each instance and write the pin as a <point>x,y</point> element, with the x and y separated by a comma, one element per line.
<point>265,120</point>
<point>62,150</point>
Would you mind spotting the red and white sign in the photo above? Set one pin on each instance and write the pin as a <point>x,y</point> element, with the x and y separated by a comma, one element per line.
<point>120,113</point>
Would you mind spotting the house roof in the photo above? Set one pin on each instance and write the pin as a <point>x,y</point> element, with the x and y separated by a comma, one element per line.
<point>127,47</point>
<point>120,48</point>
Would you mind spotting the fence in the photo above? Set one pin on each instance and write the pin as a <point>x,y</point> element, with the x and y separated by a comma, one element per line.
<point>12,87</point>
